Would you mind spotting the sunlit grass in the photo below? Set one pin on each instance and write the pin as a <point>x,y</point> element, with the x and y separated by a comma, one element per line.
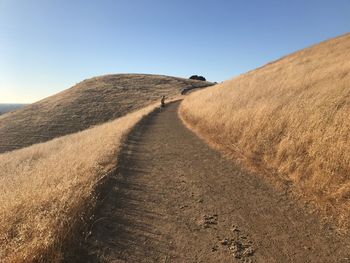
<point>46,188</point>
<point>290,120</point>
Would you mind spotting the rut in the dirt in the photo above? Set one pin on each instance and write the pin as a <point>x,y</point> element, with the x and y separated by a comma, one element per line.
<point>174,199</point>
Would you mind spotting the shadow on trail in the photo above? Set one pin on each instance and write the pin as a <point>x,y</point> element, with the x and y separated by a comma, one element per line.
<point>123,221</point>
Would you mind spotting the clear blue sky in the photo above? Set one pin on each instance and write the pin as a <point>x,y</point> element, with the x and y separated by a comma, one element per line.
<point>49,45</point>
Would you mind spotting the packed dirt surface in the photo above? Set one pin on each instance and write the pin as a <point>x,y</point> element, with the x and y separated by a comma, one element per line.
<point>174,199</point>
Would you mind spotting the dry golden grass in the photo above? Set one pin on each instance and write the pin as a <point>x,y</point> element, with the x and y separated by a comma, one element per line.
<point>290,119</point>
<point>90,102</point>
<point>46,188</point>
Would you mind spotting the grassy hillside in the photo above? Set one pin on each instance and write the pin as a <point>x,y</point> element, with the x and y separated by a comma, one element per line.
<point>289,119</point>
<point>48,190</point>
<point>93,101</point>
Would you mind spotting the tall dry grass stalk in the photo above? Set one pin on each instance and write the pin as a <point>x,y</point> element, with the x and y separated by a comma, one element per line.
<point>45,188</point>
<point>291,118</point>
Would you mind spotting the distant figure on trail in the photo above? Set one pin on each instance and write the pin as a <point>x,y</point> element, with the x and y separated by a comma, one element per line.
<point>162,102</point>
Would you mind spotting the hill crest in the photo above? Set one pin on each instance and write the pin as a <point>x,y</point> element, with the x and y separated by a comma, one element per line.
<point>90,102</point>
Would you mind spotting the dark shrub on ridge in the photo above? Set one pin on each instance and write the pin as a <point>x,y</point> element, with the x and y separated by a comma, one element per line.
<point>196,77</point>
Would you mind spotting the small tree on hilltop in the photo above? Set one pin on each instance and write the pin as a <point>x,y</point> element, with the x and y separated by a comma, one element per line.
<point>196,77</point>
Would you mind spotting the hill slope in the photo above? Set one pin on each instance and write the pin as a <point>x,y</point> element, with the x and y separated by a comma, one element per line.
<point>48,191</point>
<point>290,120</point>
<point>91,102</point>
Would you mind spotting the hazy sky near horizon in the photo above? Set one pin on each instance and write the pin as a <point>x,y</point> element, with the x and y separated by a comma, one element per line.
<point>49,45</point>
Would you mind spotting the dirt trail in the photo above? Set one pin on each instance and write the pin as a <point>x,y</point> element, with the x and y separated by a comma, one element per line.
<point>174,199</point>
